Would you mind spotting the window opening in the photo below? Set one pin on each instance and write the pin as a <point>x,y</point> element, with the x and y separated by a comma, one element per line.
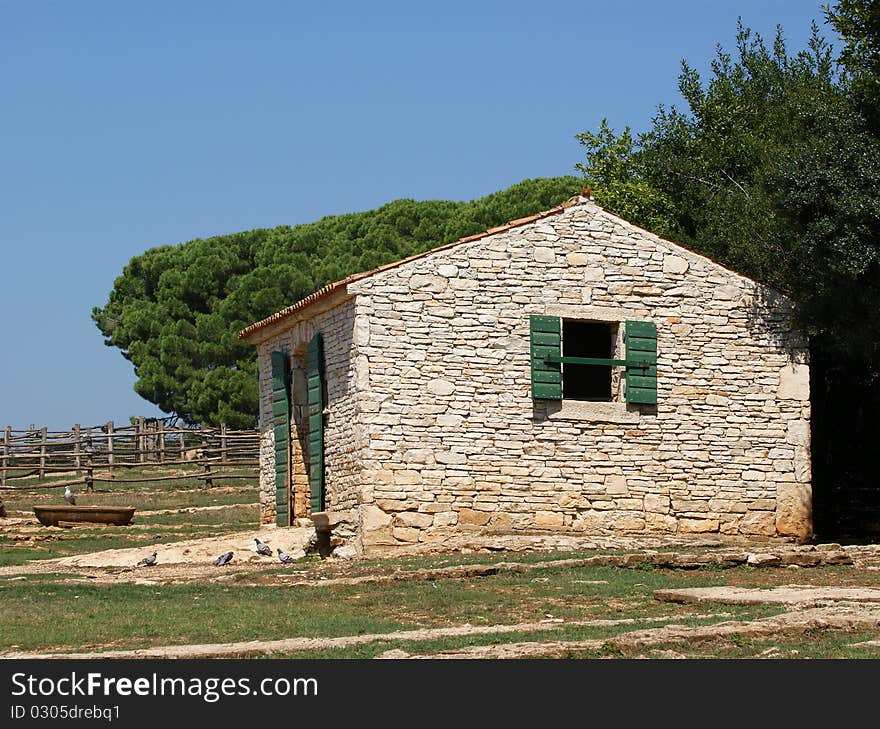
<point>593,340</point>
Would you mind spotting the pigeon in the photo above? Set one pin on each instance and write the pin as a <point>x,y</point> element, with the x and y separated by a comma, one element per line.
<point>69,497</point>
<point>262,548</point>
<point>284,557</point>
<point>223,559</point>
<point>148,561</point>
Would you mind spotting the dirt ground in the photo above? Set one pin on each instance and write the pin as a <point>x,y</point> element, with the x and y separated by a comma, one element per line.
<point>199,552</point>
<point>177,561</point>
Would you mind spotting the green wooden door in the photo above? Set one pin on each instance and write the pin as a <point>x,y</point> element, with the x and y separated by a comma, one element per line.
<point>316,422</point>
<point>281,426</point>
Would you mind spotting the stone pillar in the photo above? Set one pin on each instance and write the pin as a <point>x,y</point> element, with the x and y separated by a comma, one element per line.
<point>794,499</point>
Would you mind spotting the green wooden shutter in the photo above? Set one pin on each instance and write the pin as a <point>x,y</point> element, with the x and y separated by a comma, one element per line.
<point>281,424</point>
<point>546,339</point>
<point>316,422</point>
<point>641,362</point>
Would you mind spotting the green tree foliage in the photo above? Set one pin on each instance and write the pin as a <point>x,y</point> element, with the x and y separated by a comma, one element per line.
<point>613,167</point>
<point>858,24</point>
<point>175,312</point>
<point>774,170</point>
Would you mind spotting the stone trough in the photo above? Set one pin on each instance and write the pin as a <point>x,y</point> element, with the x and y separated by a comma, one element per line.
<point>53,515</point>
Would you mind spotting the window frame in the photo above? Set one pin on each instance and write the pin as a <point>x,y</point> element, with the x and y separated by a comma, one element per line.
<point>636,385</point>
<point>615,371</point>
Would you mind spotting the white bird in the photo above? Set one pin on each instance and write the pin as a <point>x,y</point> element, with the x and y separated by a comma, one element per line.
<point>262,548</point>
<point>69,497</point>
<point>284,557</point>
<point>148,561</point>
<point>223,559</point>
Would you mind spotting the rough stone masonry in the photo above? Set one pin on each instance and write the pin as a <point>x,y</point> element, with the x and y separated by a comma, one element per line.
<point>430,425</point>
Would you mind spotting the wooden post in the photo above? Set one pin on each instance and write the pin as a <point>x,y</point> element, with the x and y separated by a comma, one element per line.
<point>222,442</point>
<point>151,440</point>
<point>76,459</point>
<point>42,452</point>
<point>7,432</point>
<point>139,440</point>
<point>7,436</point>
<point>161,442</point>
<point>90,445</point>
<point>110,448</point>
<point>209,482</point>
<point>181,441</point>
<point>90,483</point>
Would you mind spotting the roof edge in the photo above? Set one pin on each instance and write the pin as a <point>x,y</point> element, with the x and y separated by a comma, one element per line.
<point>330,288</point>
<point>694,251</point>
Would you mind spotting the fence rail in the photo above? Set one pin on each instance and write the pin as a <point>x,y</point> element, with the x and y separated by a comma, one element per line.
<point>83,451</point>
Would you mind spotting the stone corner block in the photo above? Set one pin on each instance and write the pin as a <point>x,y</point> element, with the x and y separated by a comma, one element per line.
<point>794,382</point>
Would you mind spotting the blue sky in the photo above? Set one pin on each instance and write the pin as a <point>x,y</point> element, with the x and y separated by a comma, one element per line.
<point>125,126</point>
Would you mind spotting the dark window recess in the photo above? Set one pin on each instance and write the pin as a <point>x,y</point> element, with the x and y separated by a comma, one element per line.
<point>587,339</point>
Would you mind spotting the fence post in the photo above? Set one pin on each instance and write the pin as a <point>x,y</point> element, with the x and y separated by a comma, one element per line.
<point>152,429</point>
<point>76,459</point>
<point>90,476</point>
<point>7,436</point>
<point>162,443</point>
<point>181,440</point>
<point>139,440</point>
<point>110,448</point>
<point>42,452</point>
<point>209,482</point>
<point>223,443</point>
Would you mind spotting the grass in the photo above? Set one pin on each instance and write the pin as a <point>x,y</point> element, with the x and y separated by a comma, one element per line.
<point>233,514</point>
<point>173,495</point>
<point>46,612</point>
<point>86,616</point>
<point>41,615</point>
<point>40,543</point>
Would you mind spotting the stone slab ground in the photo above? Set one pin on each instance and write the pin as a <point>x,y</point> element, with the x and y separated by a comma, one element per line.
<point>799,595</point>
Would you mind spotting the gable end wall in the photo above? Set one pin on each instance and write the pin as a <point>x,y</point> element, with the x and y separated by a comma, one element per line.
<point>453,440</point>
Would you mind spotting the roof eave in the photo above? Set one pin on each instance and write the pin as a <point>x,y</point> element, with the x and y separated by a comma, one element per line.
<point>248,332</point>
<point>265,327</point>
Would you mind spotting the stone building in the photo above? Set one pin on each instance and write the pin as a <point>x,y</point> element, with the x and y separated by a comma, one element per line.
<point>567,372</point>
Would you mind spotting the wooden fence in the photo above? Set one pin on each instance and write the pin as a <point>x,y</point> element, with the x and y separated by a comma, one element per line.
<point>96,451</point>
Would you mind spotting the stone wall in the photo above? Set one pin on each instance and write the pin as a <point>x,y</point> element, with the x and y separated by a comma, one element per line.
<point>453,440</point>
<point>341,437</point>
